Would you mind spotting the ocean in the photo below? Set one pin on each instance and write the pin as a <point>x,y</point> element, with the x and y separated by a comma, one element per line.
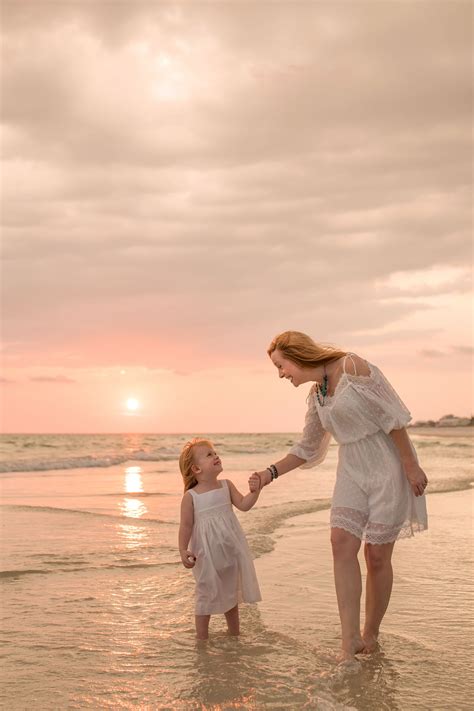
<point>97,610</point>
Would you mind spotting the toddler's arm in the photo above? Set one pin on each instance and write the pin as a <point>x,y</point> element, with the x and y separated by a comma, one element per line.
<point>241,502</point>
<point>185,531</point>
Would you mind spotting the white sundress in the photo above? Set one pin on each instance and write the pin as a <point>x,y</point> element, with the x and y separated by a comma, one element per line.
<point>372,498</point>
<point>224,570</point>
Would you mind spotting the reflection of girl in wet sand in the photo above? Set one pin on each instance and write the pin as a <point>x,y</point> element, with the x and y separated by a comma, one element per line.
<point>379,491</point>
<point>211,540</point>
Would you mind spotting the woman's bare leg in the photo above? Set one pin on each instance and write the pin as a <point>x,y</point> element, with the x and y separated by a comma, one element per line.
<point>202,626</point>
<point>232,617</point>
<point>348,582</point>
<point>378,589</point>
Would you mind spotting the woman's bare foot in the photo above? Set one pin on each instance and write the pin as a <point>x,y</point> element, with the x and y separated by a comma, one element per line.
<point>370,642</point>
<point>350,649</point>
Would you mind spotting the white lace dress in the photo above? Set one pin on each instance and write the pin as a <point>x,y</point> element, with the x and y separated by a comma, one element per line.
<point>224,570</point>
<point>372,498</point>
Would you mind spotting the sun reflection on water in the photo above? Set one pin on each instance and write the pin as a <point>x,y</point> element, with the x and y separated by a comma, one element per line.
<point>133,508</point>
<point>133,484</point>
<point>133,480</point>
<point>133,536</point>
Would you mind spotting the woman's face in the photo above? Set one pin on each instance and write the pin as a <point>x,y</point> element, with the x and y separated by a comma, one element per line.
<point>289,370</point>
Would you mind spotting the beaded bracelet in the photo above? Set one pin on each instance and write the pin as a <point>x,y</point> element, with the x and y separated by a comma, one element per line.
<point>273,471</point>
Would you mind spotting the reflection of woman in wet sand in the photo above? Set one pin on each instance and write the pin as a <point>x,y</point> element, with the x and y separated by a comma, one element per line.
<point>379,491</point>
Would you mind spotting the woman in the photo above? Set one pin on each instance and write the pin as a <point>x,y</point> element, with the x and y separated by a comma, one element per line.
<point>379,491</point>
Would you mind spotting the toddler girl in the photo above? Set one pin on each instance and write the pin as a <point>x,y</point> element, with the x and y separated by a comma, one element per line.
<point>211,540</point>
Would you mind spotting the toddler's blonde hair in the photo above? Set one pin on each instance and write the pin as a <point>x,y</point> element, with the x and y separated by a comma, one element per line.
<point>302,350</point>
<point>186,461</point>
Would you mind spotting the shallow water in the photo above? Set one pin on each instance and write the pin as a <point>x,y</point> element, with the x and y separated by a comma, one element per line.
<point>97,611</point>
<point>427,645</point>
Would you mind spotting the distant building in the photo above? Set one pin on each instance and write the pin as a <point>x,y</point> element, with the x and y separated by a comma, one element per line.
<point>423,423</point>
<point>445,421</point>
<point>453,421</point>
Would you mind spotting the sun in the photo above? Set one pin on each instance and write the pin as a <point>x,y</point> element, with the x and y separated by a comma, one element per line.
<point>132,404</point>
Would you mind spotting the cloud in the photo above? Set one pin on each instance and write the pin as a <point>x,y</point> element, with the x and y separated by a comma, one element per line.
<point>180,185</point>
<point>456,350</point>
<point>463,350</point>
<point>432,353</point>
<point>52,379</point>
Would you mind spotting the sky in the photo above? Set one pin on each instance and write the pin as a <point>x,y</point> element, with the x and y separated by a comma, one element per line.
<point>182,181</point>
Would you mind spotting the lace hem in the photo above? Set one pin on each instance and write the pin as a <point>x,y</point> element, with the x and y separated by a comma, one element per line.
<point>377,534</point>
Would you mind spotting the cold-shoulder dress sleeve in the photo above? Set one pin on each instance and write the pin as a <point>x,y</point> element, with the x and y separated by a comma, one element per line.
<point>314,443</point>
<point>381,404</point>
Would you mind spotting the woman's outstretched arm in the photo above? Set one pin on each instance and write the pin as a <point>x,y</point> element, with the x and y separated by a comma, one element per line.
<point>308,452</point>
<point>285,465</point>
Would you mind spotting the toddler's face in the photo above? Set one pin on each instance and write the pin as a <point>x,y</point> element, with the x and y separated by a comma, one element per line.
<point>207,460</point>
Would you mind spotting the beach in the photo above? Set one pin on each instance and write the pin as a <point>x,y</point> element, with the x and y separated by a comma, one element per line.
<point>97,611</point>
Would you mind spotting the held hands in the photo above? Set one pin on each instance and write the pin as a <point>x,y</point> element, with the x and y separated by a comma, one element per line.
<point>254,483</point>
<point>188,559</point>
<point>416,478</point>
<point>259,479</point>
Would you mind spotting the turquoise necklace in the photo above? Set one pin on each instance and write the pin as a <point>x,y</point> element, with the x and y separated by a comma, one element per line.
<point>322,390</point>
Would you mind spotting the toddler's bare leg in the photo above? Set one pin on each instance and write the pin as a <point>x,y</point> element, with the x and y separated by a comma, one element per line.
<point>378,589</point>
<point>202,626</point>
<point>232,617</point>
